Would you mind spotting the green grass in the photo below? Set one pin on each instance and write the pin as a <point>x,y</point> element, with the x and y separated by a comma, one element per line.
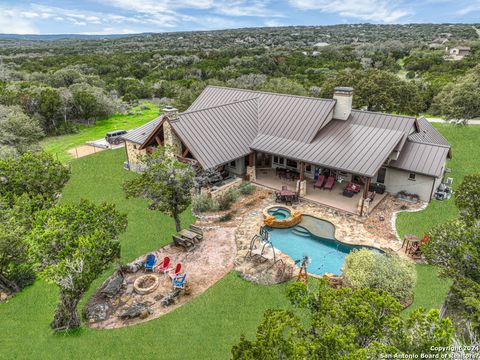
<point>58,145</point>
<point>205,328</point>
<point>430,290</point>
<point>466,152</point>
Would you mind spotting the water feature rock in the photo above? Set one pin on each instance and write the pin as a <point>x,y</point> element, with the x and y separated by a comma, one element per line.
<point>137,310</point>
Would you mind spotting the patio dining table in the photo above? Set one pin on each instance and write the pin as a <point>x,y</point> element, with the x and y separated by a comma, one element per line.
<point>190,235</point>
<point>287,195</point>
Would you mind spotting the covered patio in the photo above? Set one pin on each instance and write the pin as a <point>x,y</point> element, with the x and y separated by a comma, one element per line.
<point>333,198</point>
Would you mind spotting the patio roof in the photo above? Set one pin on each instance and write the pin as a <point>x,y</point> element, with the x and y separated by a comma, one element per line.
<point>341,146</point>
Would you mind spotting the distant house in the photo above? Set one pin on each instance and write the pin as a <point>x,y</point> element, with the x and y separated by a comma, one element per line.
<point>457,53</point>
<point>261,136</point>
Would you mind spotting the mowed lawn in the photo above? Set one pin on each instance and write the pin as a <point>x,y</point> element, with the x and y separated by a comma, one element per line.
<point>59,145</point>
<point>205,328</point>
<point>465,142</point>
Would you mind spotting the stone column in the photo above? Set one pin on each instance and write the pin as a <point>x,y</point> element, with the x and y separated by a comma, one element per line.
<point>171,139</point>
<point>251,171</point>
<point>302,187</point>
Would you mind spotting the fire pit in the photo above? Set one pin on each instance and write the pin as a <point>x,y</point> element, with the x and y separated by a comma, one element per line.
<point>145,284</point>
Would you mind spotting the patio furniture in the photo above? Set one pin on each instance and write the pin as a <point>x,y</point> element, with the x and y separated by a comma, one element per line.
<point>278,196</point>
<point>149,263</point>
<point>183,242</point>
<point>329,184</point>
<point>163,266</point>
<point>377,187</point>
<point>319,183</point>
<point>196,229</point>
<point>410,242</point>
<point>371,195</point>
<point>191,235</point>
<point>175,271</point>
<point>287,196</point>
<point>352,187</point>
<point>348,193</point>
<point>178,282</point>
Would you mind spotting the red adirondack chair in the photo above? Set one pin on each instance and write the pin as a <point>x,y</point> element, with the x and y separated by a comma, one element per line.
<point>163,266</point>
<point>173,273</point>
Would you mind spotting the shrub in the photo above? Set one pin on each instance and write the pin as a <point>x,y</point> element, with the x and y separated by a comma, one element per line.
<point>202,203</point>
<point>385,272</point>
<point>227,217</point>
<point>246,189</point>
<point>226,200</point>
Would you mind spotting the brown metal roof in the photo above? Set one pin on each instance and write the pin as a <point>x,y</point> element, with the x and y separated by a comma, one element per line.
<point>341,145</point>
<point>219,134</point>
<point>427,159</point>
<point>406,124</point>
<point>141,133</point>
<point>285,116</point>
<point>427,134</point>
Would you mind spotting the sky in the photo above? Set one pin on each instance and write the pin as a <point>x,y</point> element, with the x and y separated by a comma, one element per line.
<point>137,16</point>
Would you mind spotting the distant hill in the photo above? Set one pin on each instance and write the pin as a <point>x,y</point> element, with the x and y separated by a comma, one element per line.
<point>54,37</point>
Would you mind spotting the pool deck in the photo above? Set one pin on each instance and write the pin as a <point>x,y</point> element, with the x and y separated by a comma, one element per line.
<point>349,229</point>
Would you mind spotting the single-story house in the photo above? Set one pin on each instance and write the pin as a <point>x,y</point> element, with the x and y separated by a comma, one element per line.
<point>256,135</point>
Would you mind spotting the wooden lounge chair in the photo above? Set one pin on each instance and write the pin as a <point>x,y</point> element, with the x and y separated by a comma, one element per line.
<point>175,271</point>
<point>329,184</point>
<point>149,263</point>
<point>319,183</point>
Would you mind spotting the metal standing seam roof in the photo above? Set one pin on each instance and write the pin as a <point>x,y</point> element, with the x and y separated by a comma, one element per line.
<point>421,158</point>
<point>219,134</point>
<point>340,145</point>
<point>141,133</point>
<point>428,134</point>
<point>286,116</point>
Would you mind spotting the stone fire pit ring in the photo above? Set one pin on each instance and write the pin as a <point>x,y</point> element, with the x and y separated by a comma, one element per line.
<point>145,284</point>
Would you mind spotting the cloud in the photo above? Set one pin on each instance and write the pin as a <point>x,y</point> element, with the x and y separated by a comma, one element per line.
<point>368,10</point>
<point>13,23</point>
<point>473,7</point>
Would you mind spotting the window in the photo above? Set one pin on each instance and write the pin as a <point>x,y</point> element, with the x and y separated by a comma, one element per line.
<point>381,175</point>
<point>135,147</point>
<point>278,159</point>
<point>233,163</point>
<point>308,168</point>
<point>291,163</point>
<point>411,176</point>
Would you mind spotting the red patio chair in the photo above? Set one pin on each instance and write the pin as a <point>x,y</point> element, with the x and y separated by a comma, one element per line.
<point>173,273</point>
<point>329,184</point>
<point>319,182</point>
<point>163,266</point>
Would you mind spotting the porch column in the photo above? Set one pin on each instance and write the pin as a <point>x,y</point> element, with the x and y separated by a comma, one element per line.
<point>302,183</point>
<point>251,172</point>
<point>365,203</point>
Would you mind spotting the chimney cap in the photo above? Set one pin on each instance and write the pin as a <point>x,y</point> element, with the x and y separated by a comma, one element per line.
<point>343,90</point>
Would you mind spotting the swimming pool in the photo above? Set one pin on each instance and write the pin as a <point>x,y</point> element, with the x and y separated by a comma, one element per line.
<point>280,213</point>
<point>326,255</point>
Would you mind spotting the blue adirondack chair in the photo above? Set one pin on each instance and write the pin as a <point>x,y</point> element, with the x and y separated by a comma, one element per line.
<point>178,282</point>
<point>150,263</point>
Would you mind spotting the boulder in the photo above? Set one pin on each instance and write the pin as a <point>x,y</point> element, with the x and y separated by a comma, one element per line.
<point>97,312</point>
<point>169,299</point>
<point>133,267</point>
<point>137,310</point>
<point>113,286</point>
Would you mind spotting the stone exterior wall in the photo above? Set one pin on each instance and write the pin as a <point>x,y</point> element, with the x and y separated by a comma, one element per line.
<point>171,139</point>
<point>133,154</point>
<point>251,173</point>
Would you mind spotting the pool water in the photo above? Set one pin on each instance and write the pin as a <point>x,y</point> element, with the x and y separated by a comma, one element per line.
<point>326,255</point>
<point>280,213</point>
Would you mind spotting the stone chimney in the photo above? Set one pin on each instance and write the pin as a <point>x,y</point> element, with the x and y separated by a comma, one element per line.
<point>343,107</point>
<point>170,112</point>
